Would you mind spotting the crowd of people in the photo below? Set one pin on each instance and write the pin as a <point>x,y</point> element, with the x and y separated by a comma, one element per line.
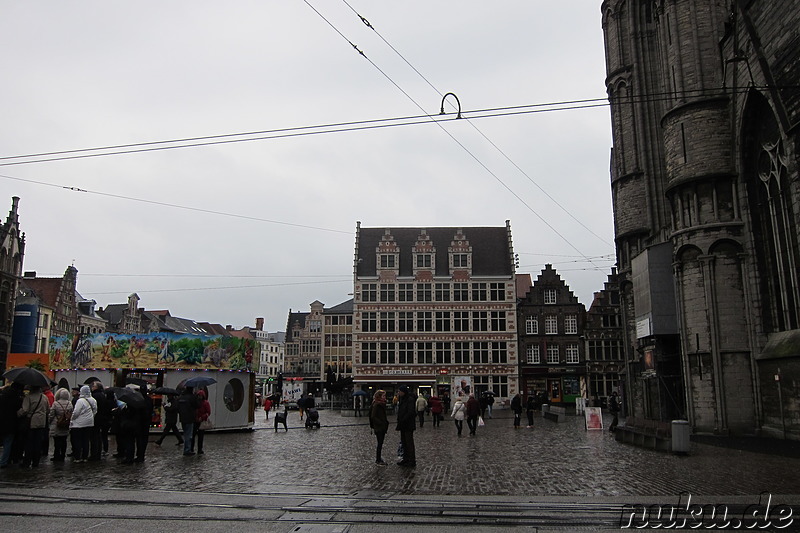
<point>413,409</point>
<point>80,420</point>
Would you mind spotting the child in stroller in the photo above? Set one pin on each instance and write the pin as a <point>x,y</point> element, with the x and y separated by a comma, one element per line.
<point>312,418</point>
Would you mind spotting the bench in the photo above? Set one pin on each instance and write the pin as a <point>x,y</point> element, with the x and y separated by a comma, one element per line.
<point>554,413</point>
<point>645,433</point>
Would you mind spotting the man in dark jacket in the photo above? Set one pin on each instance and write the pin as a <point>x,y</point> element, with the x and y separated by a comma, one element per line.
<point>10,402</point>
<point>473,412</point>
<point>516,407</point>
<point>102,422</point>
<point>406,423</point>
<point>187,405</point>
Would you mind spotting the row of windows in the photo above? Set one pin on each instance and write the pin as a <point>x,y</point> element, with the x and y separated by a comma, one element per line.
<point>551,325</point>
<point>339,320</point>
<point>424,353</point>
<point>433,292</point>
<point>390,261</point>
<point>338,340</point>
<point>533,354</point>
<point>605,350</point>
<point>430,321</point>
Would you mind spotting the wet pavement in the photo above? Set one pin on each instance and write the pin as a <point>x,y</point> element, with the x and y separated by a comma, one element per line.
<point>550,460</point>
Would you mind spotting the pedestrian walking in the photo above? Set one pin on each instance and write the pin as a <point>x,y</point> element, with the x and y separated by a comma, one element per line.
<point>187,405</point>
<point>80,426</point>
<point>379,423</point>
<point>357,405</point>
<point>436,410</point>
<point>446,402</point>
<point>201,420</point>
<point>406,426</point>
<point>483,402</point>
<point>489,404</point>
<point>60,415</point>
<point>473,412</point>
<point>421,407</point>
<point>267,407</point>
<point>530,407</point>
<point>458,414</point>
<point>613,405</point>
<point>170,406</point>
<point>516,407</point>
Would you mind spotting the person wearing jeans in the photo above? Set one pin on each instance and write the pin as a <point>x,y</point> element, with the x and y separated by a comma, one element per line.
<point>187,408</point>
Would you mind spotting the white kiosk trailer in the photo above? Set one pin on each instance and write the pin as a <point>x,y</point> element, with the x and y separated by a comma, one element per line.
<point>165,360</point>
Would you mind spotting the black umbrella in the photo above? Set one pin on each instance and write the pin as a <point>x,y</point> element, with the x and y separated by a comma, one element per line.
<point>360,393</point>
<point>488,393</point>
<point>137,381</point>
<point>165,390</point>
<point>131,397</point>
<point>199,381</point>
<point>27,376</point>
<point>91,380</point>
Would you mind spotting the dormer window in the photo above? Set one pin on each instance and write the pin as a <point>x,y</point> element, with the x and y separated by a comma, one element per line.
<point>460,260</point>
<point>424,261</point>
<point>550,296</point>
<point>388,261</point>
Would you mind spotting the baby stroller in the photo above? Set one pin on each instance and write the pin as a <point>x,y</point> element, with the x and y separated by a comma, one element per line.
<point>312,419</point>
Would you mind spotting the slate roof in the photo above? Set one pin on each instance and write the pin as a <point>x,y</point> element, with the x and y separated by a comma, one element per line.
<point>491,253</point>
<point>343,308</point>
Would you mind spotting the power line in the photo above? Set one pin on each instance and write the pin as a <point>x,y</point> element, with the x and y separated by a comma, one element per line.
<point>148,291</point>
<point>176,206</point>
<point>452,137</point>
<point>343,127</point>
<point>480,132</point>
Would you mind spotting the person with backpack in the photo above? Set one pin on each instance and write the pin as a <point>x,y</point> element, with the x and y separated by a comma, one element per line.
<point>60,416</point>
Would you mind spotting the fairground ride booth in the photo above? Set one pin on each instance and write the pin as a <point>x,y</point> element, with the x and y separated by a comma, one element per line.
<point>165,360</point>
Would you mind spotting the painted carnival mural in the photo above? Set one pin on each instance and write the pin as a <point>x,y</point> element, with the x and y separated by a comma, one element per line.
<point>153,350</point>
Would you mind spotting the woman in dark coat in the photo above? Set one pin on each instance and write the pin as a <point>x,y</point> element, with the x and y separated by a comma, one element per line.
<point>379,423</point>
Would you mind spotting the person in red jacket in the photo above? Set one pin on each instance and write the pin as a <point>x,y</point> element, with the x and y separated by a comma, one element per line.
<point>267,407</point>
<point>436,410</point>
<point>201,415</point>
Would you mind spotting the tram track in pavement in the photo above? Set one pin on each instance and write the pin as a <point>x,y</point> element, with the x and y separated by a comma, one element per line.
<point>353,509</point>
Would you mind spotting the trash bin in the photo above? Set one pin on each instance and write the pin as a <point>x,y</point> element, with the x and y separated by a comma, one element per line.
<point>680,436</point>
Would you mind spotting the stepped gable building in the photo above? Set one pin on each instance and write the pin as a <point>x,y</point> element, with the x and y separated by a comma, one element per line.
<point>551,324</point>
<point>58,294</point>
<point>605,338</point>
<point>12,250</point>
<point>705,113</point>
<point>124,318</point>
<point>434,309</point>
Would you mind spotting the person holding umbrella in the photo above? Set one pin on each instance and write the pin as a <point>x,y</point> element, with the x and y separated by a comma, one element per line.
<point>10,402</point>
<point>201,416</point>
<point>81,424</point>
<point>187,407</point>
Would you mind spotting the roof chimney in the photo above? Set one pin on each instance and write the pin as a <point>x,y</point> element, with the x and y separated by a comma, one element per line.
<point>30,274</point>
<point>228,327</point>
<point>260,324</point>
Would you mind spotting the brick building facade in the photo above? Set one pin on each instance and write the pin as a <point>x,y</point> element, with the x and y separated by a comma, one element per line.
<point>705,112</point>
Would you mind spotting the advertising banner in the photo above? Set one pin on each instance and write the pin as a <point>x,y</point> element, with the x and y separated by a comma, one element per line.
<point>153,350</point>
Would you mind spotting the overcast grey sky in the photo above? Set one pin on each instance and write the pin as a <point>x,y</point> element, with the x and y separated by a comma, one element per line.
<point>92,74</point>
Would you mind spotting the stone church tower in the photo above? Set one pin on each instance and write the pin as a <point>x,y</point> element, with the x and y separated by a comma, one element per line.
<point>705,108</point>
